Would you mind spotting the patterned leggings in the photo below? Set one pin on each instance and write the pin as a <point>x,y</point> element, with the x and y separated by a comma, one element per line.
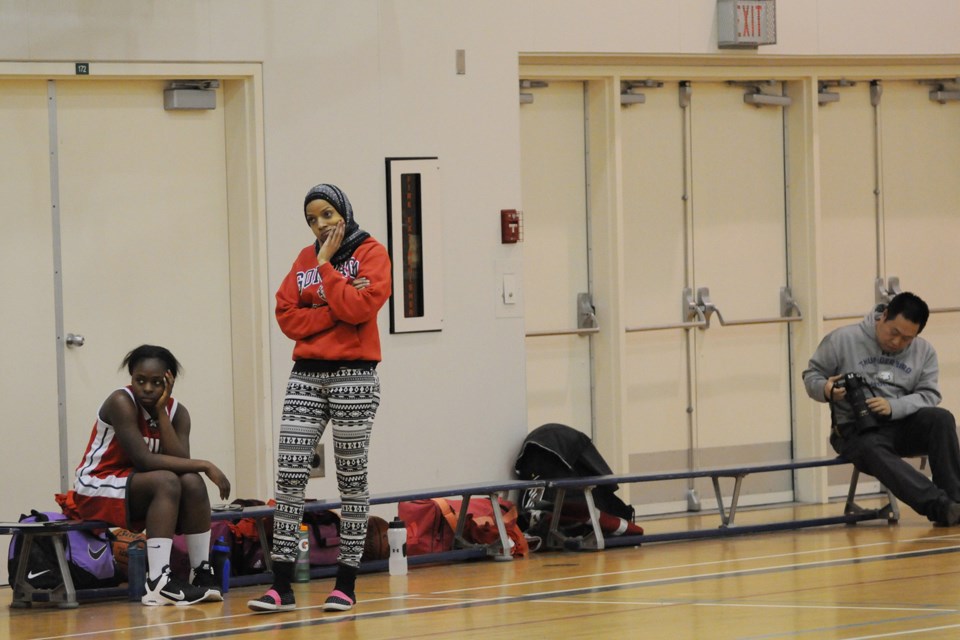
<point>348,399</point>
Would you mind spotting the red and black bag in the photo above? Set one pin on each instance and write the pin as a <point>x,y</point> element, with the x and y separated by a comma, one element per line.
<point>428,530</point>
<point>431,525</point>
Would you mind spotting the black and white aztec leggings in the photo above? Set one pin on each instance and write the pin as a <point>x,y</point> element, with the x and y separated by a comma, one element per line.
<point>348,399</point>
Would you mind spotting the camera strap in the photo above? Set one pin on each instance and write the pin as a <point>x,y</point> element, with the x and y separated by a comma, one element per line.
<point>834,427</point>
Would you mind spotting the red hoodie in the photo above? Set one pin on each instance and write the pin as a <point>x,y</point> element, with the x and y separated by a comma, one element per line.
<point>326,316</point>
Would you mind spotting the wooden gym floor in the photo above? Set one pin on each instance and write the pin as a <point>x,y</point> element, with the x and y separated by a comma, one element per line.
<point>865,581</point>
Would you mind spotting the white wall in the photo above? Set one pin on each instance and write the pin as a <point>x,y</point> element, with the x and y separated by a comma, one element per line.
<point>348,83</point>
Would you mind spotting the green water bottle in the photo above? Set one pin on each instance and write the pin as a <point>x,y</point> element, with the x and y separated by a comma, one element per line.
<point>301,569</point>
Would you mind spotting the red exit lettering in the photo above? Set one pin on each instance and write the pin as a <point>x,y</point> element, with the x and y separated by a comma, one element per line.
<point>750,20</point>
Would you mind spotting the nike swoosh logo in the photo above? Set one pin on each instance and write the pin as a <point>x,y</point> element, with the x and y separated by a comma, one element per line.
<point>32,575</point>
<point>96,554</point>
<point>179,595</point>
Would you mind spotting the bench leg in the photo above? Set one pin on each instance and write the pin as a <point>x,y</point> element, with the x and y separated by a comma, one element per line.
<point>458,539</point>
<point>555,539</point>
<point>68,600</point>
<point>890,511</point>
<point>851,506</point>
<point>264,544</point>
<point>504,553</point>
<point>593,540</point>
<point>727,518</point>
<point>500,550</point>
<point>459,542</point>
<point>21,588</point>
<point>24,594</point>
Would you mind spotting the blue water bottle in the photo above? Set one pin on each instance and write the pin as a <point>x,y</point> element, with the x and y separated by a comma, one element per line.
<point>136,569</point>
<point>221,563</point>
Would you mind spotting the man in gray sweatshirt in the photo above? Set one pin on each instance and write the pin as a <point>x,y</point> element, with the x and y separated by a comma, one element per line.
<point>901,416</point>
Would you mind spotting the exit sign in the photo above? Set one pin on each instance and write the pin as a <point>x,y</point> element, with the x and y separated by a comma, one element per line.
<point>746,24</point>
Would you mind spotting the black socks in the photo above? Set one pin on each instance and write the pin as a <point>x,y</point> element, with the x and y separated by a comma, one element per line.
<point>346,580</point>
<point>282,575</point>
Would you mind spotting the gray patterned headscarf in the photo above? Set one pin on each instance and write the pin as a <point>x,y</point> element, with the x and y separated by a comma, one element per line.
<point>353,235</point>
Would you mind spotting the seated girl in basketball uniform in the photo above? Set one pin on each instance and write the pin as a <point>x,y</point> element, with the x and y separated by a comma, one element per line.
<point>137,473</point>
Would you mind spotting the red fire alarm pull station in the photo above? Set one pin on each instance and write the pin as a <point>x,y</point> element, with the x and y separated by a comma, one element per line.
<point>510,226</point>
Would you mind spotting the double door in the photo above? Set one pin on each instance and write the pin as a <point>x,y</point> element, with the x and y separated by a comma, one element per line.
<point>889,194</point>
<point>699,238</point>
<point>701,279</point>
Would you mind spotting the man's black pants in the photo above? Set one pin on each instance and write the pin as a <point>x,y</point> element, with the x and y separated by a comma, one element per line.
<point>879,452</point>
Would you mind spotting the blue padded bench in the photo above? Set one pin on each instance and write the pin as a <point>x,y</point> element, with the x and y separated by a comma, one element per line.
<point>66,596</point>
<point>595,539</point>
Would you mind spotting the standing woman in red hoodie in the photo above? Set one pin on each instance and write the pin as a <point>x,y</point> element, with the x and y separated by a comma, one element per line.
<point>328,304</point>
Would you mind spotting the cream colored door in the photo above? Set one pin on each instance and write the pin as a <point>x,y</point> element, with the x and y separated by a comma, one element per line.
<point>921,214</point>
<point>891,140</point>
<point>29,459</point>
<point>657,433</point>
<point>848,204</point>
<point>704,211</point>
<point>743,373</point>
<point>144,246</point>
<point>555,257</point>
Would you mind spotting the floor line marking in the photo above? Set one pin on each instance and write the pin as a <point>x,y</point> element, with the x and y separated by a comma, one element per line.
<point>548,595</point>
<point>671,602</point>
<point>544,595</point>
<point>698,564</point>
<point>906,632</point>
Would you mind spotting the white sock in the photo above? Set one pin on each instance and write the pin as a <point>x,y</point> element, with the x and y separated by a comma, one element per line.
<point>198,548</point>
<point>158,555</point>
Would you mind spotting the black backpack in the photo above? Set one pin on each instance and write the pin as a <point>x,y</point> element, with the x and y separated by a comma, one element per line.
<point>89,556</point>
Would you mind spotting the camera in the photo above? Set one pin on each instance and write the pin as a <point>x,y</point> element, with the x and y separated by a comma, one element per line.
<point>857,387</point>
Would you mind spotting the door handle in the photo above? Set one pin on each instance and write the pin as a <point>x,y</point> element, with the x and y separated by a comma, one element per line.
<point>885,294</point>
<point>690,311</point>
<point>787,307</point>
<point>586,312</point>
<point>587,322</point>
<point>75,340</point>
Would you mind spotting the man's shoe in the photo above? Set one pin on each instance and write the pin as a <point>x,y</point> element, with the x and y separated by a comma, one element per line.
<point>953,514</point>
<point>204,577</point>
<point>167,589</point>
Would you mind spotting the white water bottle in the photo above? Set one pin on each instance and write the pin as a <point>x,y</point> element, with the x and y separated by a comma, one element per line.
<point>397,538</point>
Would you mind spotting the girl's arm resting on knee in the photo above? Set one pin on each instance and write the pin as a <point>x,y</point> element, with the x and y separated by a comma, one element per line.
<point>123,417</point>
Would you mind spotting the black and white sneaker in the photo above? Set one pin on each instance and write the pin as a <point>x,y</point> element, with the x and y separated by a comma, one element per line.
<point>204,577</point>
<point>167,589</point>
